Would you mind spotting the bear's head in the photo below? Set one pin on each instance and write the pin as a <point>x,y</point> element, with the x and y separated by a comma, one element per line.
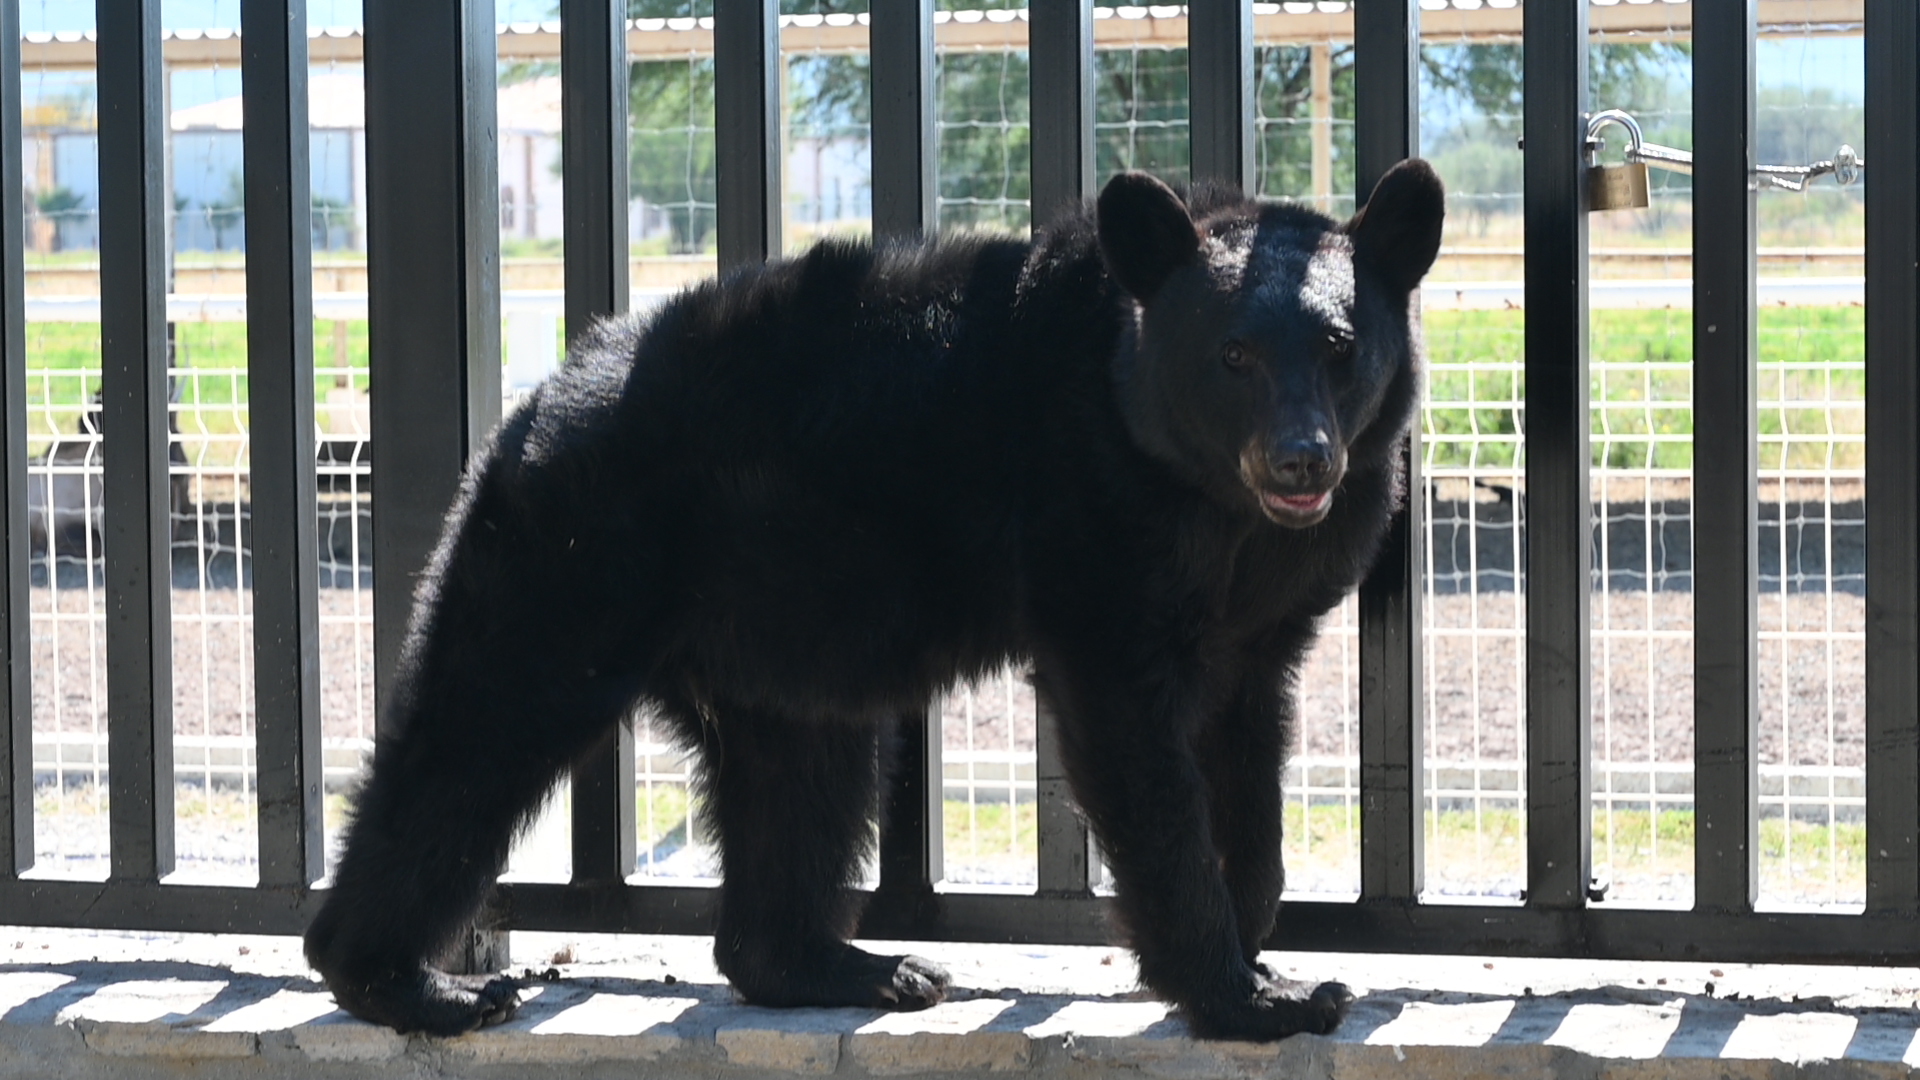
<point>1275,350</point>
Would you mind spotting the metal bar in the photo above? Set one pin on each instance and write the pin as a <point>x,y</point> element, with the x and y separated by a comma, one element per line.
<point>433,284</point>
<point>1893,457</point>
<point>16,676</point>
<point>904,105</point>
<point>912,823</point>
<point>133,424</point>
<point>1065,846</point>
<point>593,89</point>
<point>1060,51</point>
<point>1220,90</point>
<point>748,135</point>
<point>1726,598</point>
<point>1392,754</point>
<point>1887,939</point>
<point>1559,541</point>
<point>604,826</point>
<point>593,103</point>
<point>1386,926</point>
<point>286,588</point>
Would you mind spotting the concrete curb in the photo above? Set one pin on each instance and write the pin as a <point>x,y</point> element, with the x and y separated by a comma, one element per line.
<point>119,1017</point>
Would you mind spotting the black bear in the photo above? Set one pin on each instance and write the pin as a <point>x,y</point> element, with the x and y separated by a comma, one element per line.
<point>1145,451</point>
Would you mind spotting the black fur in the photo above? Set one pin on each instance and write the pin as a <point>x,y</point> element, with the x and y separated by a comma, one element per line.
<point>800,501</point>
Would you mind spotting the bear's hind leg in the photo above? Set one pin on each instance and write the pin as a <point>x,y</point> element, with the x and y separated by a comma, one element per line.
<point>432,829</point>
<point>795,802</point>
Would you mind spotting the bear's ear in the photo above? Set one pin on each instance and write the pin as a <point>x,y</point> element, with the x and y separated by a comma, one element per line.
<point>1397,233</point>
<point>1145,233</point>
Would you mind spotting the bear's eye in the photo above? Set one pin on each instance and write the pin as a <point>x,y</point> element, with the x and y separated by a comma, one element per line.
<point>1234,355</point>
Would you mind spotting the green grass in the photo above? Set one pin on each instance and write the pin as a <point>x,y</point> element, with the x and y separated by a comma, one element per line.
<point>1641,381</point>
<point>992,828</point>
<point>662,814</point>
<point>1640,384</point>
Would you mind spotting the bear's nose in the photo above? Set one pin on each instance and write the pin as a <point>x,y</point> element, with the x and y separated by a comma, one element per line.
<point>1303,462</point>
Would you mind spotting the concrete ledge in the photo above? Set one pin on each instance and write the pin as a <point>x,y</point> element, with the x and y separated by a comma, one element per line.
<point>94,1005</point>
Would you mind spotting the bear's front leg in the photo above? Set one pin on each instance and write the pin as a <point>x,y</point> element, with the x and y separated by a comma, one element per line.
<point>1241,750</point>
<point>1128,740</point>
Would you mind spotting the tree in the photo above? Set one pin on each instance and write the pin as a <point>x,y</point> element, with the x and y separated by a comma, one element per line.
<point>58,205</point>
<point>670,136</point>
<point>1491,77</point>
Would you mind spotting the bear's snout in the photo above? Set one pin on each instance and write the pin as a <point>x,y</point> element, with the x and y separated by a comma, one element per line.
<point>1303,462</point>
<point>1293,478</point>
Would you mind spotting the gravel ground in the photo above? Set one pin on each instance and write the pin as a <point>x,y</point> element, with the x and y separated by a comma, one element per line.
<point>1812,678</point>
<point>212,662</point>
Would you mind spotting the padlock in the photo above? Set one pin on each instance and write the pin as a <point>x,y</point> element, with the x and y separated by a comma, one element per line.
<point>1617,187</point>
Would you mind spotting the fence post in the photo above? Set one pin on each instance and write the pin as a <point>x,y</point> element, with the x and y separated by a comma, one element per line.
<point>900,41</point>
<point>1893,457</point>
<point>747,139</point>
<point>1060,52</point>
<point>1386,38</point>
<point>1060,45</point>
<point>16,677</point>
<point>593,89</point>
<point>286,569</point>
<point>1221,94</point>
<point>1559,539</point>
<point>900,38</point>
<point>134,431</point>
<point>433,275</point>
<point>1726,462</point>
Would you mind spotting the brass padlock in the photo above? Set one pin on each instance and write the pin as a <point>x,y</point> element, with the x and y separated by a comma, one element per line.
<point>1617,187</point>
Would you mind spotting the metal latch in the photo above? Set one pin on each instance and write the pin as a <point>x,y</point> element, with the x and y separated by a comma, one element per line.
<point>1620,187</point>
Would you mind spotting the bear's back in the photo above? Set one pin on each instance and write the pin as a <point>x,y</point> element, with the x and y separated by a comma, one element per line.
<point>841,440</point>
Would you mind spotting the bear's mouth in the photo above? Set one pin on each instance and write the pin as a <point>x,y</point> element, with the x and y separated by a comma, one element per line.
<point>1299,504</point>
<point>1286,503</point>
<point>1296,510</point>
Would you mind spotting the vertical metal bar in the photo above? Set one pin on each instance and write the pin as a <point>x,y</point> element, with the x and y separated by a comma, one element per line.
<point>901,38</point>
<point>433,304</point>
<point>1893,456</point>
<point>1060,48</point>
<point>1559,542</point>
<point>433,252</point>
<point>16,677</point>
<point>286,589</point>
<point>1060,52</point>
<point>1726,702</point>
<point>1220,91</point>
<point>133,423</point>
<point>1386,38</point>
<point>748,136</point>
<point>1065,846</point>
<point>593,102</point>
<point>912,855</point>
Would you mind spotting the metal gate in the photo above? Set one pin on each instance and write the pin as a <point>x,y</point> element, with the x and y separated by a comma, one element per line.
<point>434,305</point>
